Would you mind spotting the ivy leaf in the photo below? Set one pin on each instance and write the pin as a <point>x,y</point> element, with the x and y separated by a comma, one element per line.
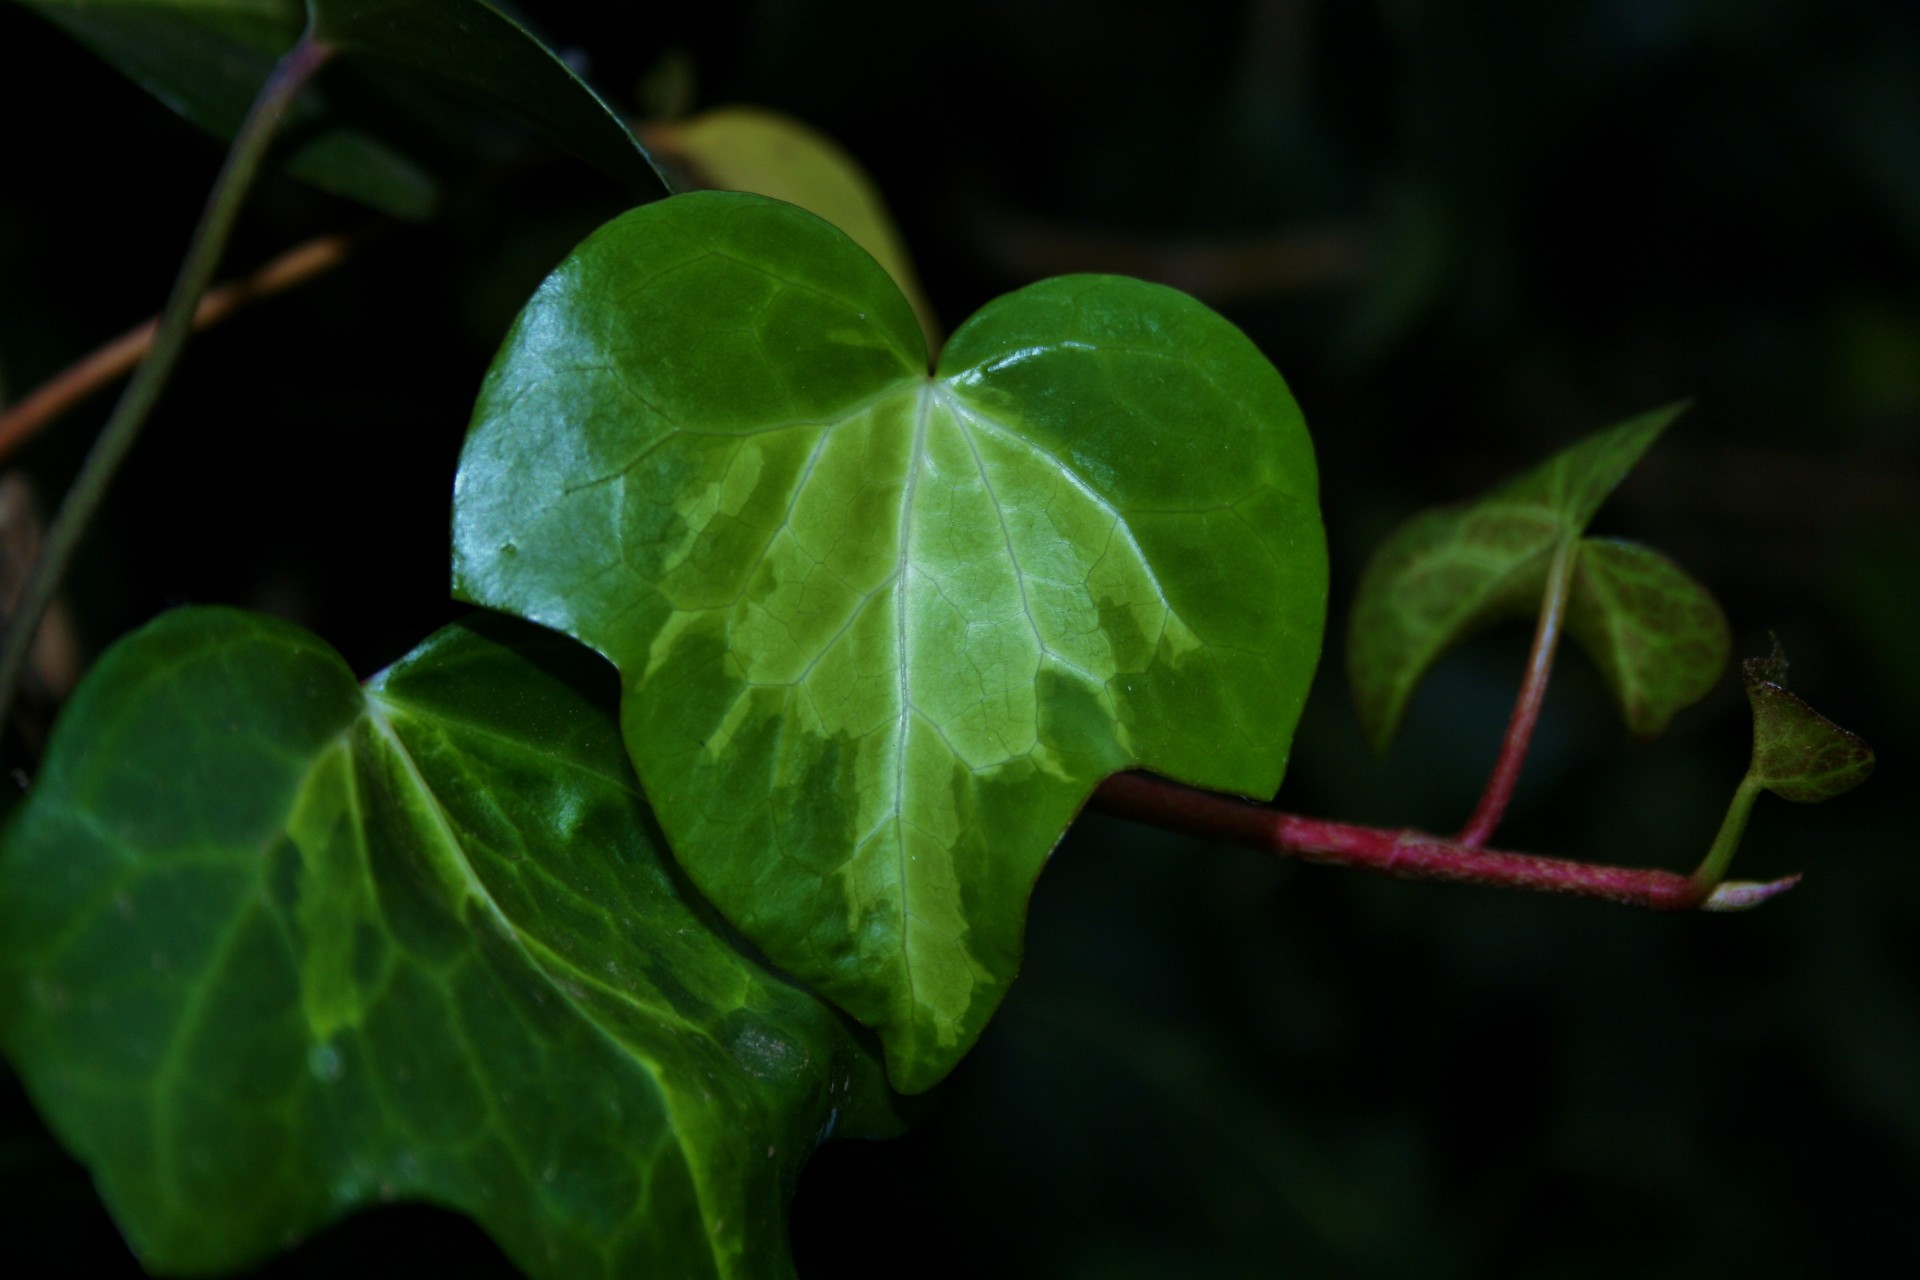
<point>207,59</point>
<point>1453,571</point>
<point>1798,754</point>
<point>273,947</point>
<point>881,633</point>
<point>750,149</point>
<point>1658,636</point>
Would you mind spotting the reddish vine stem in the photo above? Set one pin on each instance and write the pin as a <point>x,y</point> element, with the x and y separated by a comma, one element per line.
<point>1413,855</point>
<point>1526,707</point>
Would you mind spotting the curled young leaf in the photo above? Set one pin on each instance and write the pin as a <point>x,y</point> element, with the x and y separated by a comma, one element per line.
<point>882,632</point>
<point>1450,572</point>
<point>274,947</point>
<point>1798,754</point>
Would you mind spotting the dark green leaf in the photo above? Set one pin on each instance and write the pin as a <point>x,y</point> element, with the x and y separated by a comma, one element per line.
<point>881,633</point>
<point>1450,572</point>
<point>1798,754</point>
<point>206,59</point>
<point>272,948</point>
<point>470,46</point>
<point>1657,635</point>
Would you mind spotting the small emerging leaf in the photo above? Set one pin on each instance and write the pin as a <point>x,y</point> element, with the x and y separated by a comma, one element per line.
<point>749,149</point>
<point>273,948</point>
<point>1657,636</point>
<point>1450,572</point>
<point>882,632</point>
<point>1798,754</point>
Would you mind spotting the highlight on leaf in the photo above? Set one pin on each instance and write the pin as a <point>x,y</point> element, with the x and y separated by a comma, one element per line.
<point>881,633</point>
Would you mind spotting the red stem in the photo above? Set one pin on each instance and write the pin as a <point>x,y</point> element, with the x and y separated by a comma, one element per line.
<point>1526,707</point>
<point>1409,854</point>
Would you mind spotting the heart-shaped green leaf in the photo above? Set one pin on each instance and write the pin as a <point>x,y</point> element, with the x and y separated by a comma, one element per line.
<point>1450,572</point>
<point>273,947</point>
<point>881,633</point>
<point>1658,636</point>
<point>1798,754</point>
<point>207,59</point>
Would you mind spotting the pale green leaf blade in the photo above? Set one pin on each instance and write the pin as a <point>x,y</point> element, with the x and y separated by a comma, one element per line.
<point>893,628</point>
<point>206,59</point>
<point>1658,636</point>
<point>273,948</point>
<point>1452,571</point>
<point>1798,754</point>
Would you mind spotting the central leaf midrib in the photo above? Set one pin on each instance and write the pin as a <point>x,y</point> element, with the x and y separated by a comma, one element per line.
<point>916,462</point>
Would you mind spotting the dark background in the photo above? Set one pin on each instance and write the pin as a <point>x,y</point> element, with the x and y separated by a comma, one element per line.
<point>1468,233</point>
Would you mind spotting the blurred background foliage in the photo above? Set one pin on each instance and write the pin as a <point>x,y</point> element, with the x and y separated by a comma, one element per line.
<point>1467,232</point>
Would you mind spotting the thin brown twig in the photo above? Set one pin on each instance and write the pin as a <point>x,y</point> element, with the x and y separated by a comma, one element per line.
<point>118,358</point>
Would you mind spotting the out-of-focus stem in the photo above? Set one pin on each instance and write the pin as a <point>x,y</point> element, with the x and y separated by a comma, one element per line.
<point>244,158</point>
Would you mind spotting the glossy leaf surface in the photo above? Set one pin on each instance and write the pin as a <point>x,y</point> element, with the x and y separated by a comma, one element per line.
<point>750,149</point>
<point>882,633</point>
<point>206,59</point>
<point>273,947</point>
<point>1450,572</point>
<point>1798,754</point>
<point>1658,636</point>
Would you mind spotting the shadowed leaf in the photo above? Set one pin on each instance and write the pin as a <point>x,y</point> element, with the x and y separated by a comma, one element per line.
<point>207,59</point>
<point>473,48</point>
<point>1657,635</point>
<point>1450,572</point>
<point>882,633</point>
<point>273,947</point>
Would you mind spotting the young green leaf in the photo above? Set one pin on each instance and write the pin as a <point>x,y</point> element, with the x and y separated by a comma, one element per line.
<point>1657,635</point>
<point>1798,754</point>
<point>881,633</point>
<point>273,947</point>
<point>206,59</point>
<point>1450,572</point>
